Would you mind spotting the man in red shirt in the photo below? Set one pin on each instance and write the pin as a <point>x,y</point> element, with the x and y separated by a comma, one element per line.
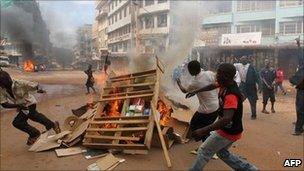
<point>279,80</point>
<point>228,128</point>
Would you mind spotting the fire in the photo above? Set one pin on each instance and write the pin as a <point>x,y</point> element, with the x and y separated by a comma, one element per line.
<point>112,112</point>
<point>28,66</point>
<point>165,113</point>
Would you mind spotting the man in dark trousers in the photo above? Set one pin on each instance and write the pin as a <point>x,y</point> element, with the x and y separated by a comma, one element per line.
<point>298,80</point>
<point>90,81</point>
<point>268,76</point>
<point>228,128</point>
<point>207,111</point>
<point>18,94</point>
<point>249,81</point>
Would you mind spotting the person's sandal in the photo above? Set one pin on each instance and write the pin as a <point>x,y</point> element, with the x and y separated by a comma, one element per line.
<point>56,127</point>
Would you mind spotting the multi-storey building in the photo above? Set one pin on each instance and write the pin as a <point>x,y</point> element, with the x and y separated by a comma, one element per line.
<point>280,23</point>
<point>84,46</point>
<point>142,25</point>
<point>101,25</point>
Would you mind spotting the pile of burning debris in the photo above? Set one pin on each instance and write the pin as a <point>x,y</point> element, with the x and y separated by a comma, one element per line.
<point>129,117</point>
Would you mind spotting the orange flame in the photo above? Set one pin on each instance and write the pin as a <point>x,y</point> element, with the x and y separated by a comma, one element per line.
<point>113,112</point>
<point>165,113</point>
<point>28,66</point>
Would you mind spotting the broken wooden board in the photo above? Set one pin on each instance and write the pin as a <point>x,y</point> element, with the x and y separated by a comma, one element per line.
<point>47,142</point>
<point>69,151</point>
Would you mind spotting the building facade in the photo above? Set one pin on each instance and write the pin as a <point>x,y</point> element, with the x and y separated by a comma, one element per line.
<point>280,23</point>
<point>84,46</point>
<point>140,25</point>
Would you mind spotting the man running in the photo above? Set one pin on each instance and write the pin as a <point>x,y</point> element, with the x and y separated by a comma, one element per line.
<point>18,94</point>
<point>228,128</point>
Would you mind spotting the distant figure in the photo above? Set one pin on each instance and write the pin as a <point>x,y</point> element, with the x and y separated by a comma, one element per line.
<point>248,84</point>
<point>90,81</point>
<point>279,80</point>
<point>18,94</point>
<point>298,80</point>
<point>107,63</point>
<point>268,76</point>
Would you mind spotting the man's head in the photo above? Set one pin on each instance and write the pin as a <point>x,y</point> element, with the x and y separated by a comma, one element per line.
<point>5,80</point>
<point>244,60</point>
<point>267,63</point>
<point>90,66</point>
<point>225,74</point>
<point>194,68</point>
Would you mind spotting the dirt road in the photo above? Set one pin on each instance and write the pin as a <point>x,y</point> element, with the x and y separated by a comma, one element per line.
<point>266,142</point>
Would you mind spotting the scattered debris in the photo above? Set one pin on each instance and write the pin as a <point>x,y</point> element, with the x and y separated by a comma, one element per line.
<point>69,151</point>
<point>47,142</point>
<point>109,162</point>
<point>95,153</point>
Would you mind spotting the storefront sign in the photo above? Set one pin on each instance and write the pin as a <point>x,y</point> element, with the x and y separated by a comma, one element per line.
<point>241,39</point>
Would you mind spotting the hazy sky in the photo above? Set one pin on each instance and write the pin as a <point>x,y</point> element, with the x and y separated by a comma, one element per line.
<point>64,17</point>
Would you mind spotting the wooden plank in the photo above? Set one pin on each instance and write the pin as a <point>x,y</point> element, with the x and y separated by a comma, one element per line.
<point>112,137</point>
<point>115,146</point>
<point>121,117</point>
<point>149,133</point>
<point>68,151</point>
<point>130,85</point>
<point>121,121</point>
<point>134,74</point>
<point>126,97</point>
<point>128,93</point>
<point>118,129</point>
<point>132,78</point>
<point>161,137</point>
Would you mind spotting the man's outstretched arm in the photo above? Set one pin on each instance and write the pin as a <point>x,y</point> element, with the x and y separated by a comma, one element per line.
<point>206,88</point>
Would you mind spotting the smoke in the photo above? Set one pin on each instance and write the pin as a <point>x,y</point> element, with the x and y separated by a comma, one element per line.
<point>187,17</point>
<point>17,24</point>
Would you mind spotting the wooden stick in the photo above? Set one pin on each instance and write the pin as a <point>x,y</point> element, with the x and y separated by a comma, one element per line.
<point>128,93</point>
<point>121,121</point>
<point>116,146</point>
<point>126,97</point>
<point>117,129</point>
<point>130,85</point>
<point>132,77</point>
<point>121,117</point>
<point>165,150</point>
<point>134,74</point>
<point>112,137</point>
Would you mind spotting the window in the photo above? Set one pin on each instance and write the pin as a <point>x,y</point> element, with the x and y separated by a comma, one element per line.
<point>149,2</point>
<point>125,12</point>
<point>149,22</point>
<point>162,1</point>
<point>162,20</point>
<point>112,19</point>
<point>129,8</point>
<point>116,3</point>
<point>289,3</point>
<point>267,28</point>
<point>245,5</point>
<point>115,17</point>
<point>112,5</point>
<point>294,27</point>
<point>120,14</point>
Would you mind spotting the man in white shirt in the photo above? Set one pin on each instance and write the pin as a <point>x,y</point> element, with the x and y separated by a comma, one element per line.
<point>18,94</point>
<point>248,81</point>
<point>207,111</point>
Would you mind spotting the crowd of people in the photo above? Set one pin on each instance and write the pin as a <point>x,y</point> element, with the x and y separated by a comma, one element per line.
<point>218,120</point>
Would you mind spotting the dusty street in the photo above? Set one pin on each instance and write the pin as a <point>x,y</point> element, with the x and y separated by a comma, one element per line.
<point>266,142</point>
